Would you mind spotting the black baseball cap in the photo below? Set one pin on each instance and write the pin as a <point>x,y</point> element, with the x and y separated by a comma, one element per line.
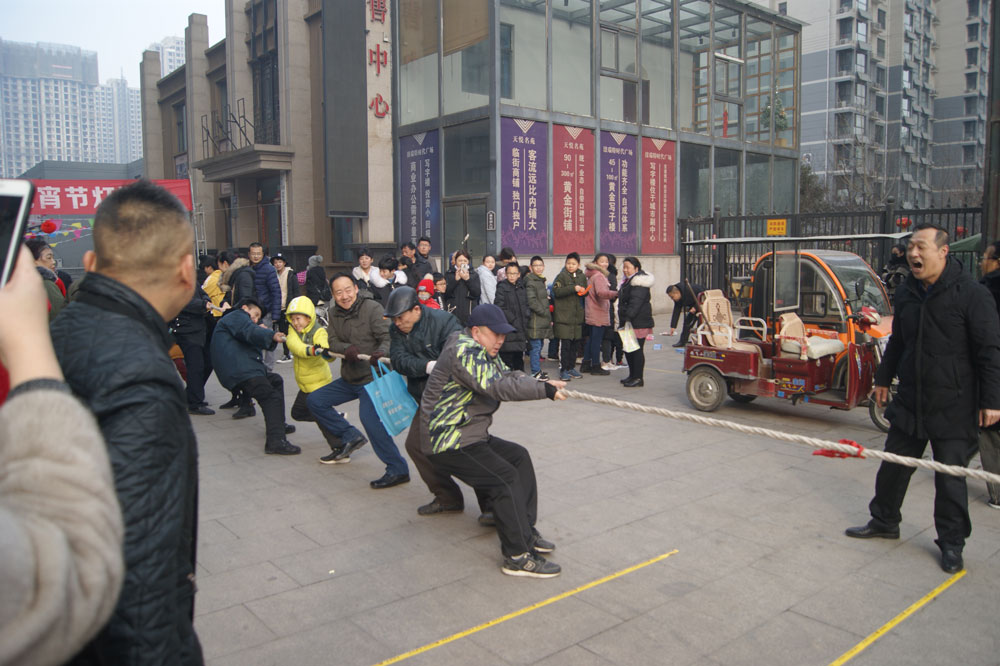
<point>491,317</point>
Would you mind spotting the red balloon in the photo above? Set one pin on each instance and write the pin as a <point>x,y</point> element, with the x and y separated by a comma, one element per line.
<point>48,226</point>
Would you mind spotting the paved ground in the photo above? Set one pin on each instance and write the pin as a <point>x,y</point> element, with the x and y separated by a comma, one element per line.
<point>301,563</point>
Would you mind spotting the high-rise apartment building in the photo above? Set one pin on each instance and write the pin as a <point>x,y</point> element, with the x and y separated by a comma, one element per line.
<point>53,108</point>
<point>171,50</point>
<point>887,109</point>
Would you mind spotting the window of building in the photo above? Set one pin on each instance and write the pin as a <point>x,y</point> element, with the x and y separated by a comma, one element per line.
<point>656,29</point>
<point>418,60</point>
<point>759,67</point>
<point>619,78</point>
<point>971,80</point>
<point>973,8</point>
<point>571,61</point>
<point>693,175</point>
<point>758,183</point>
<point>845,29</point>
<point>727,181</point>
<point>861,62</point>
<point>466,38</point>
<point>968,154</point>
<point>969,130</point>
<point>786,104</point>
<point>693,55</point>
<point>263,59</point>
<point>973,32</point>
<point>880,18</point>
<point>971,57</point>
<point>783,8</point>
<point>467,158</point>
<point>727,73</point>
<point>971,106</point>
<point>907,78</point>
<point>785,187</point>
<point>862,31</point>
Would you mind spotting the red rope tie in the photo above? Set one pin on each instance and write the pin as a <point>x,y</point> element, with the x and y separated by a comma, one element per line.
<point>830,453</point>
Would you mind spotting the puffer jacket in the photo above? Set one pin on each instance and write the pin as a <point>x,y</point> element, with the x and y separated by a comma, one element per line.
<point>317,288</point>
<point>540,321</point>
<point>410,352</point>
<point>265,281</point>
<point>599,297</point>
<point>236,348</point>
<point>311,371</point>
<point>945,350</point>
<point>633,301</point>
<point>363,326</point>
<point>464,390</point>
<point>191,324</point>
<point>567,318</point>
<point>238,281</point>
<point>513,300</point>
<point>113,349</point>
<point>460,296</point>
<point>57,299</point>
<point>214,291</point>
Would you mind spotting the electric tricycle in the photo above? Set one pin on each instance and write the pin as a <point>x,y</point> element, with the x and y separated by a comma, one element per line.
<point>814,332</point>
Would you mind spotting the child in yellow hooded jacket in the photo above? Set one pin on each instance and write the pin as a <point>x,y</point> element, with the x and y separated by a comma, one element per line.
<point>307,339</point>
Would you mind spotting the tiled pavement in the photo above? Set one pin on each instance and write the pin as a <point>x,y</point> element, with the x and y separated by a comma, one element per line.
<point>302,563</point>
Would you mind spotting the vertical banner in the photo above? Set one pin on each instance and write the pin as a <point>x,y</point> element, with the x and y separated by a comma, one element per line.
<point>524,186</point>
<point>658,196</point>
<point>618,199</point>
<point>420,187</point>
<point>573,195</point>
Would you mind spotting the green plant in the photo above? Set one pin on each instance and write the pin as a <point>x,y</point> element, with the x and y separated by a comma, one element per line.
<point>780,115</point>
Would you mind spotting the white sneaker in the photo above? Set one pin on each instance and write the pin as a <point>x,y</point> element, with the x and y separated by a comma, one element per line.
<point>608,366</point>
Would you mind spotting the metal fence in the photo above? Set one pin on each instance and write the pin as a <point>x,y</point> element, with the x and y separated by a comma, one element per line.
<point>719,266</point>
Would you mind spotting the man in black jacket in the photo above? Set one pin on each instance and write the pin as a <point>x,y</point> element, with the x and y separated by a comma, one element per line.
<point>945,350</point>
<point>685,297</point>
<point>190,329</point>
<point>416,337</point>
<point>112,343</point>
<point>989,438</point>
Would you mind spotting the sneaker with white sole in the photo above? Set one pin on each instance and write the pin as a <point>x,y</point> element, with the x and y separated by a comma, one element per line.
<point>541,376</point>
<point>332,459</point>
<point>540,544</point>
<point>530,565</point>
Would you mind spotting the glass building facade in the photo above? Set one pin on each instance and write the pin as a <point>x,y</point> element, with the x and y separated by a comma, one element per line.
<point>558,125</point>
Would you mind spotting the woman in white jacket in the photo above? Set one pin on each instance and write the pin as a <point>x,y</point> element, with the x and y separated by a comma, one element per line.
<point>366,275</point>
<point>487,279</point>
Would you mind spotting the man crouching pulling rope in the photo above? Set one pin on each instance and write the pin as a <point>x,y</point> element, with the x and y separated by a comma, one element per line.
<point>466,387</point>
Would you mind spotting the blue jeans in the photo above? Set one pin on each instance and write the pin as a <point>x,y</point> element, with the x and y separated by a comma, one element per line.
<point>322,400</point>
<point>535,355</point>
<point>592,352</point>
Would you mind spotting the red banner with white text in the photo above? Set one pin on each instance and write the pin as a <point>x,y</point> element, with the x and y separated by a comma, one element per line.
<point>81,197</point>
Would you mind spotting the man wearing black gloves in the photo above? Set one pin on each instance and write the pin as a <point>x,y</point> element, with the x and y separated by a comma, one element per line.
<point>357,327</point>
<point>945,350</point>
<point>465,388</point>
<point>685,297</point>
<point>236,354</point>
<point>418,334</point>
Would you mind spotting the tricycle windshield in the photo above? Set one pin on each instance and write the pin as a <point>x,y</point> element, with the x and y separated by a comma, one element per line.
<point>859,282</point>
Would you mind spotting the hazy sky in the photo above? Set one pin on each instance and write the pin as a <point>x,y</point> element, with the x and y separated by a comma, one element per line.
<point>119,30</point>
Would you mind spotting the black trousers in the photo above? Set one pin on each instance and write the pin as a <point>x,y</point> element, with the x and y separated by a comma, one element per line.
<point>951,499</point>
<point>438,481</point>
<point>283,327</point>
<point>269,392</point>
<point>199,366</point>
<point>567,354</point>
<point>513,359</point>
<point>300,412</point>
<point>637,361</point>
<point>503,471</point>
<point>689,323</point>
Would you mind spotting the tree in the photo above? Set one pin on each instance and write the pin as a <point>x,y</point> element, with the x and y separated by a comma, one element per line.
<point>812,192</point>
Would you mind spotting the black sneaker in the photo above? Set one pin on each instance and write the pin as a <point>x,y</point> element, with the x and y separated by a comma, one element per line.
<point>332,458</point>
<point>233,402</point>
<point>352,446</point>
<point>540,544</point>
<point>282,448</point>
<point>437,506</point>
<point>541,376</point>
<point>531,565</point>
<point>389,480</point>
<point>244,413</point>
<point>486,519</point>
<point>289,428</point>
<point>201,411</point>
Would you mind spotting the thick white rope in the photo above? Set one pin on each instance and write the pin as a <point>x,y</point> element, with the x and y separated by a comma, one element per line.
<point>852,450</point>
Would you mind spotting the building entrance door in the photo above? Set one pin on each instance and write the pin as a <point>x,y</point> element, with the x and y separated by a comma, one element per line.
<point>461,218</point>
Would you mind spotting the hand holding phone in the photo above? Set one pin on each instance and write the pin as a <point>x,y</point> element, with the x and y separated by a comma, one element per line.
<point>15,206</point>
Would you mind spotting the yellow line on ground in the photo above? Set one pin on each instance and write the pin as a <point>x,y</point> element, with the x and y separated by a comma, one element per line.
<point>527,609</point>
<point>856,650</point>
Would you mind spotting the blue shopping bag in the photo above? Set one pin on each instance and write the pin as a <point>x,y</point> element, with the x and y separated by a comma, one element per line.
<point>393,403</point>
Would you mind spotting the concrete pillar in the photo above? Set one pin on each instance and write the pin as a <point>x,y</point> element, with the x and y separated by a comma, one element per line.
<point>152,121</point>
<point>296,120</point>
<point>198,104</point>
<point>239,82</point>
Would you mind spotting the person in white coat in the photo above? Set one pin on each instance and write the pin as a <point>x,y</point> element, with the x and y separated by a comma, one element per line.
<point>487,279</point>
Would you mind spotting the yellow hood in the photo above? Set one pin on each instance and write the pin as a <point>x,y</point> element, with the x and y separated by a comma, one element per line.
<point>301,305</point>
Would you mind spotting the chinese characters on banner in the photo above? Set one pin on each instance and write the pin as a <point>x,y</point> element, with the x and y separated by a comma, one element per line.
<point>377,57</point>
<point>573,193</point>
<point>524,191</point>
<point>658,196</point>
<point>81,197</point>
<point>619,181</point>
<point>420,186</point>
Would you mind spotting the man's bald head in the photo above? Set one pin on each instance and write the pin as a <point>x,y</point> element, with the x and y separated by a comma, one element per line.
<point>141,232</point>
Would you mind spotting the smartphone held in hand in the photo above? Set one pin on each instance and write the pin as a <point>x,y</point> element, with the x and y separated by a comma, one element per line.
<point>15,206</point>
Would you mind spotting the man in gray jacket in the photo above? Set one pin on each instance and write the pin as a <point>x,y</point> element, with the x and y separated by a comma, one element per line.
<point>465,388</point>
<point>357,327</point>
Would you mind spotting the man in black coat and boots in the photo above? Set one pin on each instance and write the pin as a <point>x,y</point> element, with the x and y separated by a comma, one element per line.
<point>112,343</point>
<point>945,350</point>
<point>685,297</point>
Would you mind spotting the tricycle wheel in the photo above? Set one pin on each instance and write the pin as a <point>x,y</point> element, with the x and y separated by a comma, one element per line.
<point>743,398</point>
<point>878,415</point>
<point>706,389</point>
